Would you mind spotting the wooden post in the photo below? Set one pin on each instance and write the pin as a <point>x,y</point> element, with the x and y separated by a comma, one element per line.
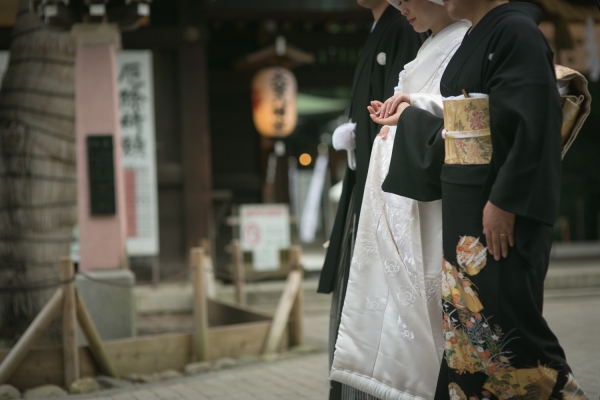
<point>237,255</point>
<point>69,322</point>
<point>94,342</point>
<point>194,126</point>
<point>235,219</point>
<point>209,273</point>
<point>31,335</point>
<point>200,345</point>
<point>297,314</point>
<point>290,293</point>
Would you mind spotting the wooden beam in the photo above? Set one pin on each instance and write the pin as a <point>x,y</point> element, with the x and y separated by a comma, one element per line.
<point>237,340</point>
<point>296,333</point>
<point>69,322</point>
<point>200,344</point>
<point>44,366</point>
<point>282,314</point>
<point>197,175</point>
<point>209,270</point>
<point>94,341</point>
<point>241,332</point>
<point>32,334</point>
<point>239,267</point>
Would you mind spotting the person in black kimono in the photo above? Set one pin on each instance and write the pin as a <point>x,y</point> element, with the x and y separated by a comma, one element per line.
<point>496,167</point>
<point>391,44</point>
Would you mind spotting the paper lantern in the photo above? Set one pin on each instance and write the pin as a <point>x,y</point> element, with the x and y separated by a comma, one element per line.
<point>274,102</point>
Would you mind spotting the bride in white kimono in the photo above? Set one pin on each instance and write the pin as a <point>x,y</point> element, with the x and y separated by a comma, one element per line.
<point>390,341</point>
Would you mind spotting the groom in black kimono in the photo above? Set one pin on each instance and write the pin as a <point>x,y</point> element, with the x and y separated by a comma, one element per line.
<point>391,44</point>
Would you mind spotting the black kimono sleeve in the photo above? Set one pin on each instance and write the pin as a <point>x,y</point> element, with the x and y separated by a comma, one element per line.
<point>417,157</point>
<point>525,119</point>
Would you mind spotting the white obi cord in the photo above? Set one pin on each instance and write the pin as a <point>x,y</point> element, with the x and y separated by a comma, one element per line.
<point>344,138</point>
<point>464,135</point>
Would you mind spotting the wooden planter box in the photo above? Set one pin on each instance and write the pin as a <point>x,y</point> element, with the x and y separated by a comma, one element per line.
<point>234,332</point>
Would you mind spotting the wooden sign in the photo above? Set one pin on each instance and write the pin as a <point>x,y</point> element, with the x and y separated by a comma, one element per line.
<point>101,172</point>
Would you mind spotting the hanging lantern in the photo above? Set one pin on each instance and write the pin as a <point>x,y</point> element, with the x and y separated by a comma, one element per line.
<point>274,102</point>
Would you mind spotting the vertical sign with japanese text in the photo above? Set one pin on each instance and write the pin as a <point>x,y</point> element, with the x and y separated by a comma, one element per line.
<point>136,103</point>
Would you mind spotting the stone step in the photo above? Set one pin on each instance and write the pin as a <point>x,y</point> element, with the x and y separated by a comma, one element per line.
<point>573,274</point>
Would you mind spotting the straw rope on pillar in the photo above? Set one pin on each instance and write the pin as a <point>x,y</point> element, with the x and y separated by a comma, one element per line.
<point>38,196</point>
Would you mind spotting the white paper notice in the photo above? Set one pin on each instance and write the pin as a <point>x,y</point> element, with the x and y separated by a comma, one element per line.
<point>136,95</point>
<point>264,230</point>
<point>265,259</point>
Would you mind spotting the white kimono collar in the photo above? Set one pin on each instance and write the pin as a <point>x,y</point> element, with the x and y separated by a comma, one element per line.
<point>431,56</point>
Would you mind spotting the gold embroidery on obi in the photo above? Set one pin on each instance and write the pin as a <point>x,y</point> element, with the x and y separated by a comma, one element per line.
<point>467,131</point>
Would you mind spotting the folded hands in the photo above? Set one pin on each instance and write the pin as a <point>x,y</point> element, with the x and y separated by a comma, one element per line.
<point>388,113</point>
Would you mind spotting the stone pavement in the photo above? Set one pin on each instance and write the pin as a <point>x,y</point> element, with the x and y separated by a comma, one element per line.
<point>573,315</point>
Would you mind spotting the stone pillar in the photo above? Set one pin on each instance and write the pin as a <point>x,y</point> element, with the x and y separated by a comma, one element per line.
<point>102,231</point>
<point>106,286</point>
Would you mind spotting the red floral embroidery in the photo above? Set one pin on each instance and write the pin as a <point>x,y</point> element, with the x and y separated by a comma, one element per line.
<point>477,120</point>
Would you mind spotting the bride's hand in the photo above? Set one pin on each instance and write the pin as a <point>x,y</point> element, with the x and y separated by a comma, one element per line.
<point>391,120</point>
<point>383,132</point>
<point>391,105</point>
<point>374,107</point>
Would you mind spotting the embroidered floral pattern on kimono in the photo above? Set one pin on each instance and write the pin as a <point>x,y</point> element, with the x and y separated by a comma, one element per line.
<point>477,120</point>
<point>474,345</point>
<point>572,391</point>
<point>456,393</point>
<point>471,255</point>
<point>478,115</point>
<point>375,303</point>
<point>457,289</point>
<point>469,151</point>
<point>469,118</point>
<point>525,383</point>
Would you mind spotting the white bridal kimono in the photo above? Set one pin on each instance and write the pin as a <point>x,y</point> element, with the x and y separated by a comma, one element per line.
<point>390,340</point>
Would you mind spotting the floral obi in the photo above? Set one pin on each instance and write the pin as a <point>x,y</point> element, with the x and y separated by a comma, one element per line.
<point>467,130</point>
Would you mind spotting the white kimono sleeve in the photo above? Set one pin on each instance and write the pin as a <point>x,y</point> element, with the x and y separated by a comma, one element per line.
<point>424,101</point>
<point>428,102</point>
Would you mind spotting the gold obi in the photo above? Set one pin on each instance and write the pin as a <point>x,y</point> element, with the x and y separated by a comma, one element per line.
<point>467,131</point>
<point>575,103</point>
